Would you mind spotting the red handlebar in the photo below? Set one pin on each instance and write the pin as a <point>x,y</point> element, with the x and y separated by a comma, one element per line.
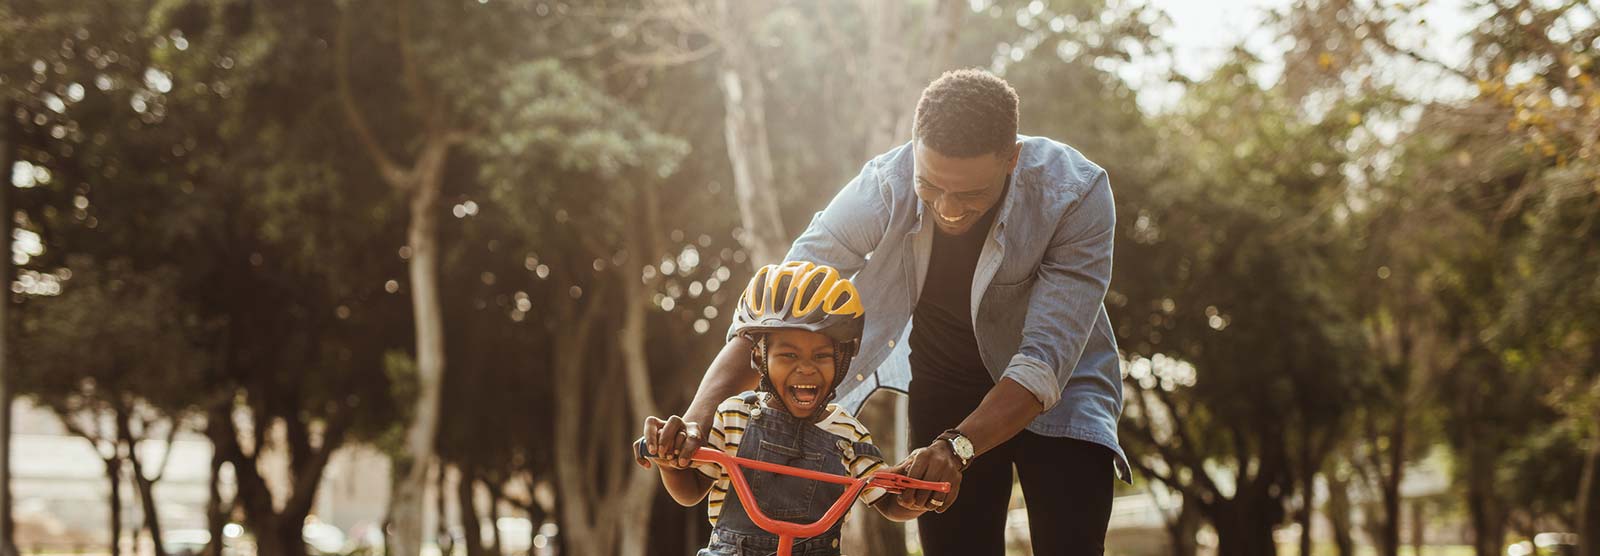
<point>788,531</point>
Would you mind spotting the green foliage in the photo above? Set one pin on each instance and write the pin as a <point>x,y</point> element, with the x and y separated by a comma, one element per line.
<point>144,344</point>
<point>1300,264</point>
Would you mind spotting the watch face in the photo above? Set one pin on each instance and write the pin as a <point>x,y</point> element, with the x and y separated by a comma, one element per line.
<point>963,446</point>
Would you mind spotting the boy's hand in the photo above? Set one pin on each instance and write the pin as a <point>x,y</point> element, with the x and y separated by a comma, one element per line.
<point>673,441</point>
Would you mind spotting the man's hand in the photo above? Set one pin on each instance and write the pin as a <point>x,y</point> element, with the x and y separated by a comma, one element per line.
<point>938,463</point>
<point>673,441</point>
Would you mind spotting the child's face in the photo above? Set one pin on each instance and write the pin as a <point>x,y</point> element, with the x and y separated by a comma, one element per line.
<point>801,366</point>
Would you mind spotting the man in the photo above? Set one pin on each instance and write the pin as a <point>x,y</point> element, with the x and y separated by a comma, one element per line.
<point>996,250</point>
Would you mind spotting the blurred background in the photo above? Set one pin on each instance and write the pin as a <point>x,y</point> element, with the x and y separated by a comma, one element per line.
<point>288,275</point>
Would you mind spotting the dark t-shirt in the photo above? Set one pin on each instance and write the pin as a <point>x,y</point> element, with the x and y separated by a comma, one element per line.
<point>944,350</point>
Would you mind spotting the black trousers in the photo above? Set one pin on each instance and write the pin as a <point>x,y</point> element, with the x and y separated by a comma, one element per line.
<point>1066,485</point>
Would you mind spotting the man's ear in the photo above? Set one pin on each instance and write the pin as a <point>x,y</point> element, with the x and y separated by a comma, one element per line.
<point>1016,156</point>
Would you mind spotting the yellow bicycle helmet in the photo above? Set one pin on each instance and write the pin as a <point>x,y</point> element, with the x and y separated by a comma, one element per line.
<point>799,295</point>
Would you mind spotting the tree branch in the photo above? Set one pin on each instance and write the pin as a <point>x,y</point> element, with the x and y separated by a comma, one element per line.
<point>431,110</point>
<point>1186,443</point>
<point>668,58</point>
<point>1185,458</point>
<point>166,456</point>
<point>78,430</point>
<point>309,474</point>
<point>391,171</point>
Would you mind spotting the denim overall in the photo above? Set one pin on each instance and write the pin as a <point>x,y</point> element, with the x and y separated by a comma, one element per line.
<point>773,435</point>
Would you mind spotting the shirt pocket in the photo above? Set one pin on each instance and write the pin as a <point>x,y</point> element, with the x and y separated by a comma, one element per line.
<point>1000,319</point>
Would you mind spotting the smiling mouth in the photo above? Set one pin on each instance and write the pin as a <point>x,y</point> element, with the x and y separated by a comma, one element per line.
<point>804,396</point>
<point>956,220</point>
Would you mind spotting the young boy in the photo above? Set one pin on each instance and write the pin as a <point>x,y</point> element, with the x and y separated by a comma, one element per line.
<point>806,323</point>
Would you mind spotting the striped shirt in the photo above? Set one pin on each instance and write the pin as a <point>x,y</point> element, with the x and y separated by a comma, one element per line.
<point>727,430</point>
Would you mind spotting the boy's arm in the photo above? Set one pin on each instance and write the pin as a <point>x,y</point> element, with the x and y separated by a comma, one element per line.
<point>687,486</point>
<point>729,375</point>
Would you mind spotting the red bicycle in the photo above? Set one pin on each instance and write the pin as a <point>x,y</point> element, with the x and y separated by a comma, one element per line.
<point>788,531</point>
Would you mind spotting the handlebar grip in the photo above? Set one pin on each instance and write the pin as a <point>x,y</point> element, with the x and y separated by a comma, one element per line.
<point>896,483</point>
<point>642,451</point>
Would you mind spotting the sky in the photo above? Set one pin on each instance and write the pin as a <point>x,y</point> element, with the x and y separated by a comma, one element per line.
<point>1202,32</point>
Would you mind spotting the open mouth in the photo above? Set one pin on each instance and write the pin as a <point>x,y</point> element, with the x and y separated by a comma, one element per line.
<point>956,220</point>
<point>804,396</point>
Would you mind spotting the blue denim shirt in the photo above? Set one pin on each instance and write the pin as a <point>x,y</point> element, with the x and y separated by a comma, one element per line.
<point>1037,296</point>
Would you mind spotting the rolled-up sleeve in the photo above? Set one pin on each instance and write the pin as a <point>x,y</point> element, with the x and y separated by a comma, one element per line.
<point>1067,297</point>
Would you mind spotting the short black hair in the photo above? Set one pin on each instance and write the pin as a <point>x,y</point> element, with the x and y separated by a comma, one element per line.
<point>967,112</point>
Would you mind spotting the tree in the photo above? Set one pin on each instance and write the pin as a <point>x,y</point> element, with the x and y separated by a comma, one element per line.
<point>420,180</point>
<point>1255,377</point>
<point>113,395</point>
<point>568,131</point>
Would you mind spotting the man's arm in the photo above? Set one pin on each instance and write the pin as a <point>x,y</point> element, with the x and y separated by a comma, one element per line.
<point>852,225</point>
<point>1004,412</point>
<point>1066,300</point>
<point>1068,295</point>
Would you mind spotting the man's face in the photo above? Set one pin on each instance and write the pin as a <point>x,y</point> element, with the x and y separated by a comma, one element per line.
<point>960,190</point>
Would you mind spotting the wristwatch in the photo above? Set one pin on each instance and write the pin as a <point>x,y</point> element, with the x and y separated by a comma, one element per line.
<point>960,445</point>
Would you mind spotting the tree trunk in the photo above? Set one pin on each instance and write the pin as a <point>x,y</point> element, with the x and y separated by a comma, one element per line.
<point>8,144</point>
<point>745,127</point>
<point>1418,527</point>
<point>1243,529</point>
<point>897,68</point>
<point>1389,529</point>
<point>1588,517</point>
<point>114,474</point>
<point>147,502</point>
<point>278,528</point>
<point>1308,494</point>
<point>1338,512</point>
<point>884,95</point>
<point>593,451</point>
<point>397,475</point>
<point>441,522</point>
<point>282,536</point>
<point>1488,529</point>
<point>471,529</point>
<point>1184,529</point>
<point>422,235</point>
<point>144,486</point>
<point>636,493</point>
<point>216,513</point>
<point>494,520</point>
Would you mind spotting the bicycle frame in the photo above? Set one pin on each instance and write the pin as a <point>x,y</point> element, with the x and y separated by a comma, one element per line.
<point>788,531</point>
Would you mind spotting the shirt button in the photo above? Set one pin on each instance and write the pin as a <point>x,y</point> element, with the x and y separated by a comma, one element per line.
<point>891,343</point>
<point>836,543</point>
<point>860,377</point>
<point>755,413</point>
